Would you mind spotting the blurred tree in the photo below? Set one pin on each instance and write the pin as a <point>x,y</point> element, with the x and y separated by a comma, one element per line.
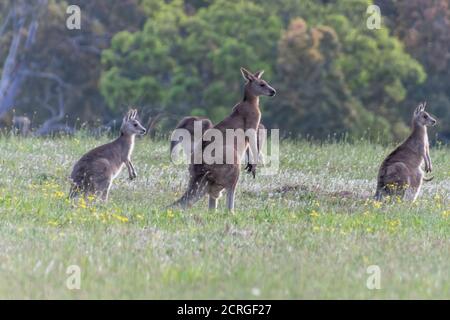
<point>60,68</point>
<point>313,97</point>
<point>138,66</point>
<point>182,57</point>
<point>376,69</point>
<point>22,21</point>
<point>423,26</point>
<point>190,64</point>
<point>221,39</point>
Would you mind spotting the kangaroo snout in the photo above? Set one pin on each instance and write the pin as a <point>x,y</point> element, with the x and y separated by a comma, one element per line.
<point>273,92</point>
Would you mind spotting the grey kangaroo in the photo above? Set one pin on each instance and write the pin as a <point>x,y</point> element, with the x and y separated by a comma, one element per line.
<point>187,123</point>
<point>400,173</point>
<point>94,172</point>
<point>214,178</point>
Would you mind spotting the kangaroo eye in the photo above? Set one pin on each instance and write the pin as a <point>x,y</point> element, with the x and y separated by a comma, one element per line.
<point>135,124</point>
<point>425,117</point>
<point>262,85</point>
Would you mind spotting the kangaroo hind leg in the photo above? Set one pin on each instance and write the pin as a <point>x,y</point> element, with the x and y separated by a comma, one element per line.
<point>397,180</point>
<point>102,186</point>
<point>230,197</point>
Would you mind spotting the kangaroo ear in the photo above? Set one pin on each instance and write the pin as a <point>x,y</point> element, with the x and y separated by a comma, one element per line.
<point>259,74</point>
<point>247,74</point>
<point>419,108</point>
<point>128,115</point>
<point>424,105</point>
<point>134,114</point>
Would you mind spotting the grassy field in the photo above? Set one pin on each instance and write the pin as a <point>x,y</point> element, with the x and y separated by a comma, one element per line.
<point>310,231</point>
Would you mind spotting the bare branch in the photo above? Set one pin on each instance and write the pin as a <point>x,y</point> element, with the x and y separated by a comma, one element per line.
<point>46,75</point>
<point>34,24</point>
<point>31,36</point>
<point>5,23</point>
<point>45,103</point>
<point>9,79</point>
<point>12,74</point>
<point>52,123</point>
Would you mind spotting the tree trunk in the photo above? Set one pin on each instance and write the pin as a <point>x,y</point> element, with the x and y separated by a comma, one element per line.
<point>13,76</point>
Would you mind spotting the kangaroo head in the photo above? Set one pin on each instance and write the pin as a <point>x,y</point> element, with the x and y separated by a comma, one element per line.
<point>256,85</point>
<point>130,125</point>
<point>423,118</point>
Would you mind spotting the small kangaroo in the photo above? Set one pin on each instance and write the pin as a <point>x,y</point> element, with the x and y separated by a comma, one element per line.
<point>214,178</point>
<point>94,172</point>
<point>400,173</point>
<point>188,124</point>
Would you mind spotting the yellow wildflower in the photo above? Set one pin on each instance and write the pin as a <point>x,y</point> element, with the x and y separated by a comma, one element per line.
<point>82,203</point>
<point>377,204</point>
<point>393,224</point>
<point>52,223</point>
<point>314,214</point>
<point>59,194</point>
<point>120,218</point>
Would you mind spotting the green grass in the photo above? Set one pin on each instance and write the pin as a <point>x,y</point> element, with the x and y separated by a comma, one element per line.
<point>308,232</point>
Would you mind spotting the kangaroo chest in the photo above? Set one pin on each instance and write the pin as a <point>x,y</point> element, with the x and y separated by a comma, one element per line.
<point>425,141</point>
<point>129,150</point>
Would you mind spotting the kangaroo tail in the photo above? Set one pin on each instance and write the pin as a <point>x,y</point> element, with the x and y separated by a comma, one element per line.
<point>196,190</point>
<point>74,191</point>
<point>173,144</point>
<point>378,195</point>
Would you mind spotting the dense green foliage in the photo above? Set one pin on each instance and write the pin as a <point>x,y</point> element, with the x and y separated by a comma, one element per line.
<point>333,74</point>
<point>73,56</point>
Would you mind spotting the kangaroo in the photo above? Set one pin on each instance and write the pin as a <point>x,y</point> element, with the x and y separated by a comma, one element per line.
<point>187,123</point>
<point>400,173</point>
<point>214,178</point>
<point>94,172</point>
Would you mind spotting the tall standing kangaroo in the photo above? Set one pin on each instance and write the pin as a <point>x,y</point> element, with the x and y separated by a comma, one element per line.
<point>214,178</point>
<point>94,172</point>
<point>400,173</point>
